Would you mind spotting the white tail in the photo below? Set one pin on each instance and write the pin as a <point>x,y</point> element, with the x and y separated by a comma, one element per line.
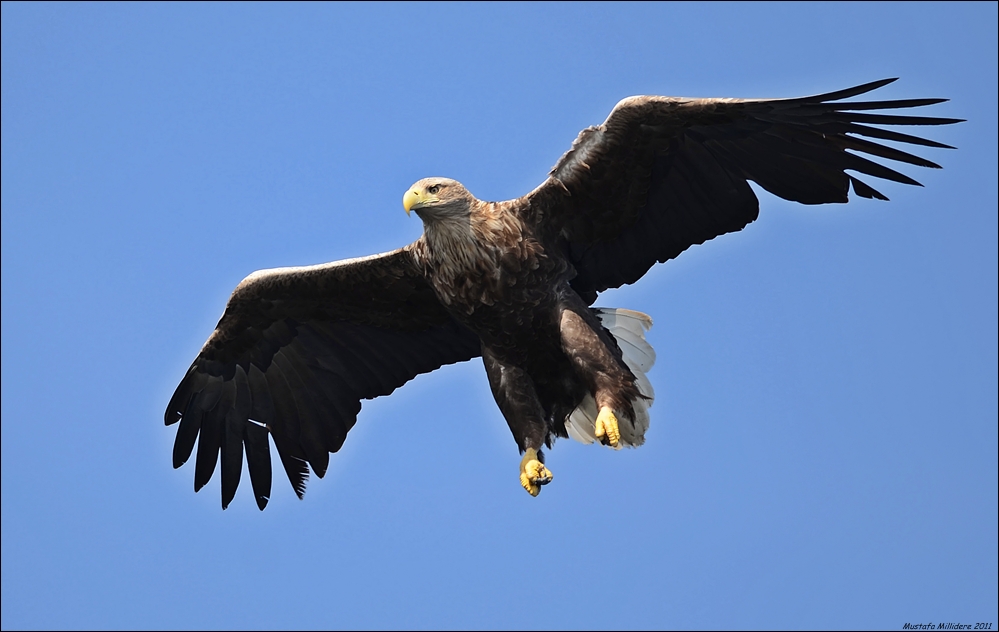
<point>628,328</point>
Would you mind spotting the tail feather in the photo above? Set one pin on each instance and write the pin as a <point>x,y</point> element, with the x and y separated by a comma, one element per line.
<point>628,329</point>
<point>581,423</point>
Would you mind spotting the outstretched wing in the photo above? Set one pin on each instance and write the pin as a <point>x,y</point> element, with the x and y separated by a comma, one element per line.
<point>294,353</point>
<point>662,174</point>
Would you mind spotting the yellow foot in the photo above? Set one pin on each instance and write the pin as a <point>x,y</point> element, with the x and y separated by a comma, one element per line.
<point>533,474</point>
<point>606,428</point>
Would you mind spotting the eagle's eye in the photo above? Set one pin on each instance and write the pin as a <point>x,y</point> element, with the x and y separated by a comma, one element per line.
<point>434,189</point>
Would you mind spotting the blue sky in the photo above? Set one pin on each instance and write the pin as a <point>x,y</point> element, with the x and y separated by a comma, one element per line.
<point>823,449</point>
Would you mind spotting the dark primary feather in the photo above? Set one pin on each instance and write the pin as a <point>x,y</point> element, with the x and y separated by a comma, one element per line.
<point>662,174</point>
<point>293,355</point>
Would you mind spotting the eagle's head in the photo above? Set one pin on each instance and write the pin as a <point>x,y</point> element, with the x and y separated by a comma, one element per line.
<point>436,199</point>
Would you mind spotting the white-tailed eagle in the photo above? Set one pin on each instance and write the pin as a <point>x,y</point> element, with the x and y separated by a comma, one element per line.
<point>297,349</point>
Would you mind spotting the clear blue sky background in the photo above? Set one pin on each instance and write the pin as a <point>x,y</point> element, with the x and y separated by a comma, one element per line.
<point>823,450</point>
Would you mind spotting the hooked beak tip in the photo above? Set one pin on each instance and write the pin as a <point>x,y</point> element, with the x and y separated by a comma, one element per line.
<point>411,199</point>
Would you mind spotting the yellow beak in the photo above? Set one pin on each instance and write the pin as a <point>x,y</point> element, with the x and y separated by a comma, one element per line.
<point>411,199</point>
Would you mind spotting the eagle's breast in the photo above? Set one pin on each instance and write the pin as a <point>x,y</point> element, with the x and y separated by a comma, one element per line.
<point>489,258</point>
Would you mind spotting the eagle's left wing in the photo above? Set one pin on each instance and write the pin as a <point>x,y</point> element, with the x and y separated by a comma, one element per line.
<point>662,174</point>
<point>295,352</point>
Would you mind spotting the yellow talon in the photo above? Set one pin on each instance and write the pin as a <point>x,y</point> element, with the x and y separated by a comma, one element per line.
<point>606,429</point>
<point>533,473</point>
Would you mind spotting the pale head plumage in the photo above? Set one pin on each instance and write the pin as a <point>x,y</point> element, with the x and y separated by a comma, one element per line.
<point>438,199</point>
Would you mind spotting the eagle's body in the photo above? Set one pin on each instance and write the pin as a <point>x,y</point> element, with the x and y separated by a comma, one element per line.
<point>500,274</point>
<point>297,349</point>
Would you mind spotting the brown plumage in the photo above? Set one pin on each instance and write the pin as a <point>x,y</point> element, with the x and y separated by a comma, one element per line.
<point>297,349</point>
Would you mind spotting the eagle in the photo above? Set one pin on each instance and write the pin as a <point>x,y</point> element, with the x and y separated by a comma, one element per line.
<point>297,349</point>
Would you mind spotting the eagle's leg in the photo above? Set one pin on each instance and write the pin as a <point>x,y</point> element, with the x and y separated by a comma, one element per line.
<point>606,429</point>
<point>533,473</point>
<point>598,363</point>
<point>515,394</point>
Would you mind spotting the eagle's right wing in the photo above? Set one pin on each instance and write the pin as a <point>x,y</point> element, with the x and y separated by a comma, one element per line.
<point>294,353</point>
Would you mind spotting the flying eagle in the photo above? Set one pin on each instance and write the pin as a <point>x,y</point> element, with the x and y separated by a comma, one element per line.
<point>297,349</point>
